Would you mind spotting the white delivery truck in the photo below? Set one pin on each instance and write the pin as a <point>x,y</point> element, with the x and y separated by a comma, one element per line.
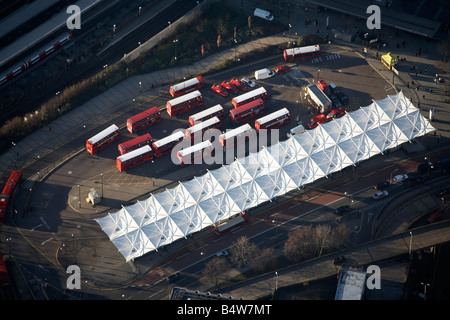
<point>263,74</point>
<point>296,130</point>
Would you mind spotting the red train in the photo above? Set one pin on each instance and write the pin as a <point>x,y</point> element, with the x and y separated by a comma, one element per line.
<point>36,59</point>
<point>8,191</point>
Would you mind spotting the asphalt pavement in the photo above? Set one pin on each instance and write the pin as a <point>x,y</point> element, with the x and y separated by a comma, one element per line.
<point>106,270</point>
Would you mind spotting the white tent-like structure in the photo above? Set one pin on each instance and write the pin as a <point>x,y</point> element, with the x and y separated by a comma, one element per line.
<point>274,171</point>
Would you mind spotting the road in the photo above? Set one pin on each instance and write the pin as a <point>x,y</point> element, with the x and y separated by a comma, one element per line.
<point>271,227</point>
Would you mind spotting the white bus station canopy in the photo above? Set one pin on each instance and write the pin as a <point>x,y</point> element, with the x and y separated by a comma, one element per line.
<point>271,172</point>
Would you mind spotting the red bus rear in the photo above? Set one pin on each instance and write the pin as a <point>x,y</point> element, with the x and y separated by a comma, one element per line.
<point>197,131</point>
<point>8,190</point>
<point>184,103</point>
<point>103,139</point>
<point>247,111</point>
<point>274,120</point>
<point>144,120</point>
<point>302,53</point>
<point>165,145</point>
<point>186,86</point>
<point>135,143</point>
<point>134,158</point>
<point>216,111</point>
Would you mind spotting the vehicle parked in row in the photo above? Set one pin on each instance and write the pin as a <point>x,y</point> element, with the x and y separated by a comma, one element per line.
<point>241,85</point>
<point>248,82</point>
<point>380,194</point>
<point>314,122</point>
<point>216,88</point>
<point>229,87</point>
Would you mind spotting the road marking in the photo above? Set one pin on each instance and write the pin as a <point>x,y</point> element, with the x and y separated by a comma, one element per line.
<point>368,174</point>
<point>45,223</point>
<point>36,227</point>
<point>46,241</point>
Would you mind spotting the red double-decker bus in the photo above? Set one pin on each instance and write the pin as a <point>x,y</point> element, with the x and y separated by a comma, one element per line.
<point>143,120</point>
<point>195,154</point>
<point>134,158</point>
<point>216,111</point>
<point>200,128</point>
<point>165,145</point>
<point>103,139</point>
<point>184,103</point>
<point>247,111</point>
<point>236,136</point>
<point>302,53</point>
<point>186,86</point>
<point>136,143</point>
<point>274,120</point>
<point>259,93</point>
<point>7,192</point>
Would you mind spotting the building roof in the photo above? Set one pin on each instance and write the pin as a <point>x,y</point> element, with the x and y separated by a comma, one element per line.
<point>260,177</point>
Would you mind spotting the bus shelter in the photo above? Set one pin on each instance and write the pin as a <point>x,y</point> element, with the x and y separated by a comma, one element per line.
<point>260,177</point>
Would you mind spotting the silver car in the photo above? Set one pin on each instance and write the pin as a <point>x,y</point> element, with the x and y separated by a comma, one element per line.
<point>380,194</point>
<point>249,82</point>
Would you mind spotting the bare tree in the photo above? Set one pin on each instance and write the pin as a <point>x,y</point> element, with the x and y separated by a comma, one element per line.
<point>264,259</point>
<point>203,50</point>
<point>443,48</point>
<point>322,237</point>
<point>339,236</point>
<point>299,244</point>
<point>219,40</point>
<point>213,269</point>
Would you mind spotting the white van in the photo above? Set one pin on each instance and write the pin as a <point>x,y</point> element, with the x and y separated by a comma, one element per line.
<point>296,130</point>
<point>263,74</point>
<point>266,15</point>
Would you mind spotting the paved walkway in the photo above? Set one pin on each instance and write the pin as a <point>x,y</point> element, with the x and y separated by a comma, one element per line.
<point>101,109</point>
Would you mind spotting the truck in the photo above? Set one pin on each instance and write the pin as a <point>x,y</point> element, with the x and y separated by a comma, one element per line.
<point>318,99</point>
<point>263,74</point>
<point>329,91</point>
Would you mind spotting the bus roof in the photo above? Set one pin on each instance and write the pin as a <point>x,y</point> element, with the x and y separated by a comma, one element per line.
<point>185,84</point>
<point>173,137</point>
<point>301,50</point>
<point>273,115</point>
<point>134,153</point>
<point>206,112</point>
<point>144,114</point>
<point>235,132</point>
<point>203,124</point>
<point>135,141</point>
<point>246,106</point>
<point>99,136</point>
<point>249,94</point>
<point>194,148</point>
<point>185,97</point>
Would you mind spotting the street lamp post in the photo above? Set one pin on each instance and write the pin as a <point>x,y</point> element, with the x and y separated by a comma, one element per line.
<point>101,174</point>
<point>410,244</point>
<point>276,232</point>
<point>79,197</point>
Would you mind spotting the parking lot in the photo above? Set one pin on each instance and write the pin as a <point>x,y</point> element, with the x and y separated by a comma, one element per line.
<point>347,70</point>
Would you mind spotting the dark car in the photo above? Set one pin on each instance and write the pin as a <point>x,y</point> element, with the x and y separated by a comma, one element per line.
<point>411,182</point>
<point>343,98</point>
<point>173,277</point>
<point>381,185</point>
<point>342,210</point>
